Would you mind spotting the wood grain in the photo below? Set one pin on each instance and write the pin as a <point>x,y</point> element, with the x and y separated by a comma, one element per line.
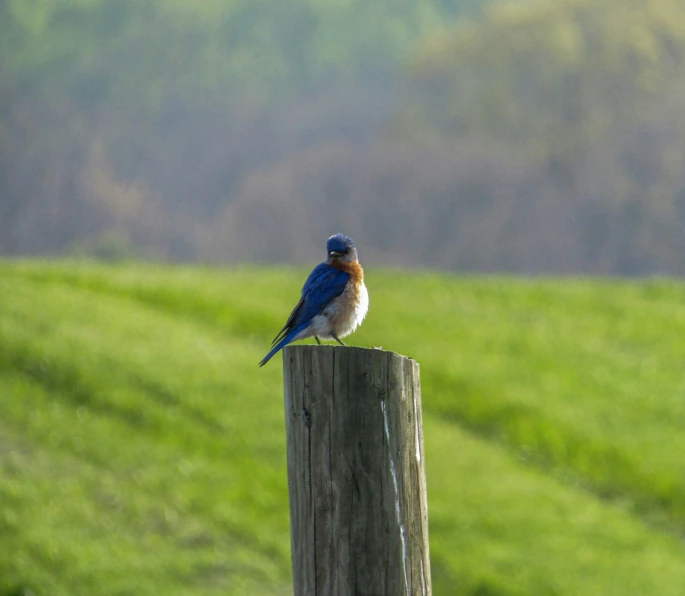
<point>356,475</point>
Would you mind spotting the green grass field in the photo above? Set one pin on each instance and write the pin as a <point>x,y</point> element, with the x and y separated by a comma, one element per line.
<point>142,449</point>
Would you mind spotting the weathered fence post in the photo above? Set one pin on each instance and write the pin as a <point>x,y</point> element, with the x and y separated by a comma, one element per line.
<point>356,475</point>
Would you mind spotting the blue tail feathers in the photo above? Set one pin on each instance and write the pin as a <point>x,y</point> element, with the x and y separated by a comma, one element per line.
<point>280,345</point>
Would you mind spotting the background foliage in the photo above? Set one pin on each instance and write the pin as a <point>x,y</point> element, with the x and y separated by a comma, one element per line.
<point>523,136</point>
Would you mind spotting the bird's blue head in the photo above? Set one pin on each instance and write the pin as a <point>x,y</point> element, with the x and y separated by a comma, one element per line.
<point>341,248</point>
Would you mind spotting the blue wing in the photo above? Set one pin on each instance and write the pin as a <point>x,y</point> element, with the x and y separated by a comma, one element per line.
<point>323,285</point>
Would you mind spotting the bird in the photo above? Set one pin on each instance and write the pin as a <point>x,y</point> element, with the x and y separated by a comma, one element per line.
<point>334,299</point>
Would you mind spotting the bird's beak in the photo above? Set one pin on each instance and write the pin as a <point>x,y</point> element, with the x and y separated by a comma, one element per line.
<point>335,253</point>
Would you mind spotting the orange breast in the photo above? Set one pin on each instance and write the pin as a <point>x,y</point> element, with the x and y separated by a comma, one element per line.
<point>354,269</point>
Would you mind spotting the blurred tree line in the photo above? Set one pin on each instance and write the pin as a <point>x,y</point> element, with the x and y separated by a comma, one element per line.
<point>527,136</point>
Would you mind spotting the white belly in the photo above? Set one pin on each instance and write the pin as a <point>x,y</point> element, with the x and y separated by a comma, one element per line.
<point>342,316</point>
<point>362,305</point>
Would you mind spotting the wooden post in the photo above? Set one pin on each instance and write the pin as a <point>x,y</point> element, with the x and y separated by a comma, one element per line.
<point>356,475</point>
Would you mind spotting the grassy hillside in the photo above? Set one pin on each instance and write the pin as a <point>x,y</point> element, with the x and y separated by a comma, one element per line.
<point>142,449</point>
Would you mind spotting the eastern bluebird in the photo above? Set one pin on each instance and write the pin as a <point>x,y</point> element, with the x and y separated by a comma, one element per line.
<point>334,299</point>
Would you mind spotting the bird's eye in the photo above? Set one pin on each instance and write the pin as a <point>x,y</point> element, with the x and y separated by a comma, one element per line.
<point>347,251</point>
